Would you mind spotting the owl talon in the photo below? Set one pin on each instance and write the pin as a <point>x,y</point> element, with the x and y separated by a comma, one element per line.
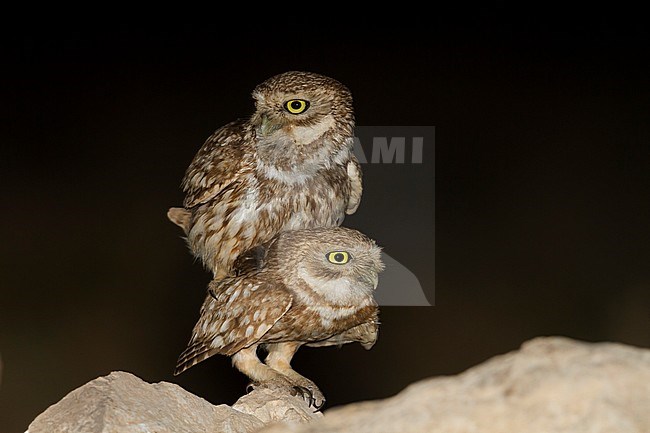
<point>250,388</point>
<point>317,407</point>
<point>316,401</point>
<point>304,393</point>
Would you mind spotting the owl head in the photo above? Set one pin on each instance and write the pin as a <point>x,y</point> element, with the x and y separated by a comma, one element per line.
<point>341,264</point>
<point>302,107</point>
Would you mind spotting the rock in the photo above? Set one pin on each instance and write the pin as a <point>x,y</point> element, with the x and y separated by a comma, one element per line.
<point>124,403</point>
<point>550,385</point>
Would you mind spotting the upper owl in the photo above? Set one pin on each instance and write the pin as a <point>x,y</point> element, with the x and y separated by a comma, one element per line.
<point>288,166</point>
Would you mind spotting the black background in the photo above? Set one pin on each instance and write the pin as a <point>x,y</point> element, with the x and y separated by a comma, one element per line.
<point>542,187</point>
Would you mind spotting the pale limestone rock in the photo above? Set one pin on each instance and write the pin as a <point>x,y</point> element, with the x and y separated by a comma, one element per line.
<point>124,403</point>
<point>550,385</point>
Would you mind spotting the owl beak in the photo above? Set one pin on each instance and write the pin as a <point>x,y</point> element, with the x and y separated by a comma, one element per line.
<point>267,125</point>
<point>375,281</point>
<point>370,279</point>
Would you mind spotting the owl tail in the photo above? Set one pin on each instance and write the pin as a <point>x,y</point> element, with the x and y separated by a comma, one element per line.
<point>181,217</point>
<point>193,355</point>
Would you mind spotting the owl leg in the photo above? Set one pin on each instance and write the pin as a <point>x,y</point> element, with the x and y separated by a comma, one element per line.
<point>279,359</point>
<point>262,375</point>
<point>247,362</point>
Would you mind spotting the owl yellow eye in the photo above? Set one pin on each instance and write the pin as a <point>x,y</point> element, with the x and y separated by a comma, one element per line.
<point>338,257</point>
<point>296,106</point>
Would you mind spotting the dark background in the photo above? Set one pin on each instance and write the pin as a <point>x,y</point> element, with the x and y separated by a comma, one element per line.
<point>542,188</point>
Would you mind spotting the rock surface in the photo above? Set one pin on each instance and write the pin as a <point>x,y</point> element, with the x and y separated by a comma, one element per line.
<point>550,385</point>
<point>124,403</point>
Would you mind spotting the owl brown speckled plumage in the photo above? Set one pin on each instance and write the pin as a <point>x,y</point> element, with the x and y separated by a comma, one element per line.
<point>309,287</point>
<point>289,166</point>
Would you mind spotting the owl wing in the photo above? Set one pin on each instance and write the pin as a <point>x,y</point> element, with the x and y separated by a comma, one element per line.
<point>356,186</point>
<point>252,260</point>
<point>217,164</point>
<point>366,333</point>
<point>236,313</point>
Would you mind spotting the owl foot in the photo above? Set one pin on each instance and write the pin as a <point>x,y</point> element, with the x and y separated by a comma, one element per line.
<point>316,397</point>
<point>313,399</point>
<point>311,394</point>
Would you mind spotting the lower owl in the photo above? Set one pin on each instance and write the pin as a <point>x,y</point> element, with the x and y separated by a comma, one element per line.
<point>309,287</point>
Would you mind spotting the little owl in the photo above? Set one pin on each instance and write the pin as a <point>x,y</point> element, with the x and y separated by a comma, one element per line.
<point>287,167</point>
<point>309,287</point>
